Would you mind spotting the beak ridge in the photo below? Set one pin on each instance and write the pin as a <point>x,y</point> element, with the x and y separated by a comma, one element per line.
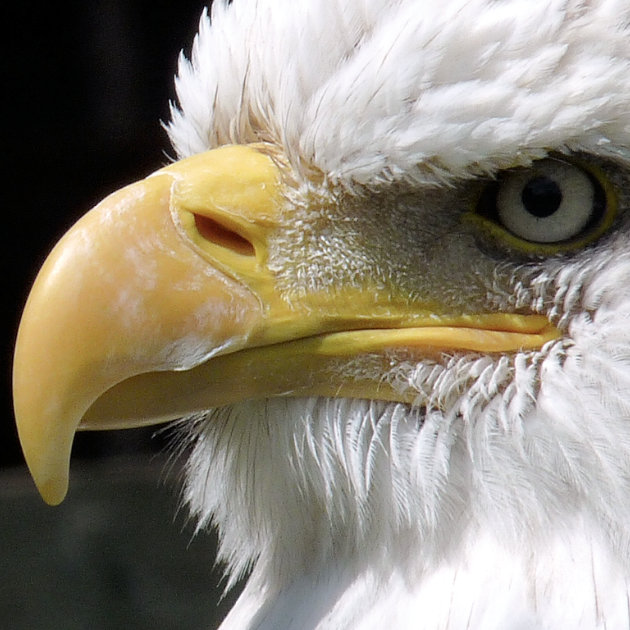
<point>123,293</point>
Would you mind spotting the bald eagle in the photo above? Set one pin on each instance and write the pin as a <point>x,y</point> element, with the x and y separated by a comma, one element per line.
<point>387,284</point>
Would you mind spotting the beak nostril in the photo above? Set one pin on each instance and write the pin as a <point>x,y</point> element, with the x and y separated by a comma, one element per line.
<point>220,235</point>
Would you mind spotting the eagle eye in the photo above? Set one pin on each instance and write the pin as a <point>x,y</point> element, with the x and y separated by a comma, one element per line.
<point>553,205</point>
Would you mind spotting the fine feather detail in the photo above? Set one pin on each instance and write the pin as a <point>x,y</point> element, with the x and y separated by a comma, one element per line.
<point>370,91</point>
<point>375,495</point>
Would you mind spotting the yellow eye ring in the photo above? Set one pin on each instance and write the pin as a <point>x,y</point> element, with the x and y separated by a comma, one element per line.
<point>556,205</point>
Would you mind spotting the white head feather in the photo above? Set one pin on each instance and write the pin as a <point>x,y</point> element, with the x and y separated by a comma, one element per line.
<point>390,89</point>
<point>361,514</point>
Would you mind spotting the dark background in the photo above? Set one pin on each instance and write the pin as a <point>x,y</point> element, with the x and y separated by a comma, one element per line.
<point>87,85</point>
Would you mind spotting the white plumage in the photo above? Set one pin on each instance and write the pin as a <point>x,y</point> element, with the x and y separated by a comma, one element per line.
<point>502,501</point>
<point>366,91</point>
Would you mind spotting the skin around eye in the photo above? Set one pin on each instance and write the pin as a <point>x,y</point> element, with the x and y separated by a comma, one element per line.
<point>556,205</point>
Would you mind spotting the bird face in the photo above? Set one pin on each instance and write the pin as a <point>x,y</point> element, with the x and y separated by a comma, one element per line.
<point>284,282</point>
<point>404,301</point>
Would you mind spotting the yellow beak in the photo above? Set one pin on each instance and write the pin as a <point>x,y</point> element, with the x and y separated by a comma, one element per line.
<point>160,302</point>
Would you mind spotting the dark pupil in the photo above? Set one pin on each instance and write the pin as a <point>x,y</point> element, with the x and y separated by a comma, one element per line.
<point>541,196</point>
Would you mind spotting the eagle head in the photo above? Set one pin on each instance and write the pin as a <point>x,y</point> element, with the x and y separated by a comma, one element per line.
<point>387,286</point>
